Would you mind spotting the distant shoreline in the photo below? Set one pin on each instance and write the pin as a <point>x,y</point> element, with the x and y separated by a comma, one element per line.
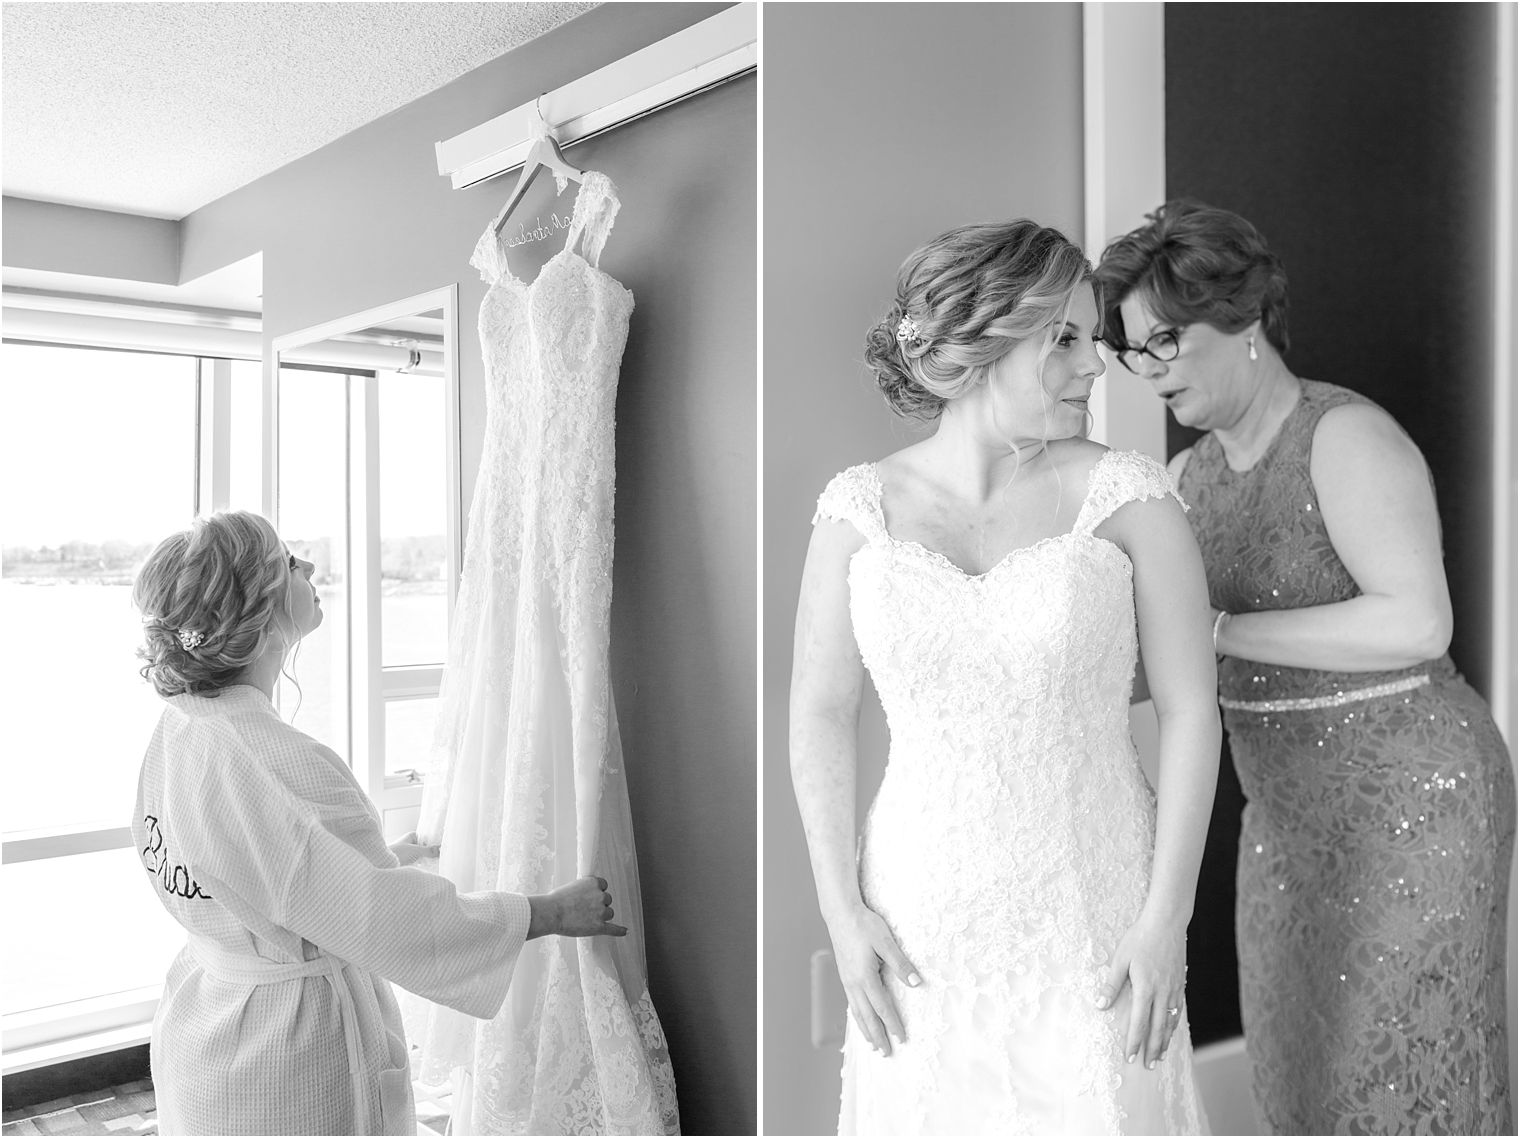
<point>55,575</point>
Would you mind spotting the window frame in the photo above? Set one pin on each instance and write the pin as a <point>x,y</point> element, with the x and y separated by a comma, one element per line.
<point>371,685</point>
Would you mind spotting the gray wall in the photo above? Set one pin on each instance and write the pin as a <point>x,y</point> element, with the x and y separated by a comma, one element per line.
<point>90,242</point>
<point>367,220</point>
<point>885,125</point>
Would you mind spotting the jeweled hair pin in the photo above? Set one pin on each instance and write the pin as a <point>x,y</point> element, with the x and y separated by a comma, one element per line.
<point>190,638</point>
<point>908,331</point>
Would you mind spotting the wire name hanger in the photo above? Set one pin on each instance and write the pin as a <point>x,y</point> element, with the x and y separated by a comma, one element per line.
<point>544,155</point>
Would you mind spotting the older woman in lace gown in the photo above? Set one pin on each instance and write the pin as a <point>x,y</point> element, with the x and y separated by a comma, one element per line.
<point>1376,843</point>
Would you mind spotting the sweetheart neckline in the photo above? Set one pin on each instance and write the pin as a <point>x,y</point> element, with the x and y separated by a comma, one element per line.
<point>509,277</point>
<point>935,557</point>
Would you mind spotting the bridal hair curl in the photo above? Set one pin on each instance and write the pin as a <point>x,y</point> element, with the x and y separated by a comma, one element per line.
<point>1196,264</point>
<point>968,297</point>
<point>212,597</point>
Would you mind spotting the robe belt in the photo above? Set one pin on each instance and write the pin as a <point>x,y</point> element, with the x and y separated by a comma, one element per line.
<point>230,967</point>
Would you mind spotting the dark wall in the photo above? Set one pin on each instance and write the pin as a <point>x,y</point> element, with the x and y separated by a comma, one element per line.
<point>1359,139</point>
<point>683,600</point>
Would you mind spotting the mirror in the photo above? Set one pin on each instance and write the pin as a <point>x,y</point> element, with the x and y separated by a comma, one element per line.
<point>363,450</point>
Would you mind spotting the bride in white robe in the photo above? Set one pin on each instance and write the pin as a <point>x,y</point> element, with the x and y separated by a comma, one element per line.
<point>278,1016</point>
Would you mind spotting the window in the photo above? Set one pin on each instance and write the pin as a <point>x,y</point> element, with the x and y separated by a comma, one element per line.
<point>97,452</point>
<point>363,495</point>
<point>102,454</point>
<point>366,454</point>
<point>414,575</point>
<point>313,512</point>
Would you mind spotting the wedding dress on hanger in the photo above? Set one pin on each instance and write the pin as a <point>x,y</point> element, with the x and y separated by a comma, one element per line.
<point>525,788</point>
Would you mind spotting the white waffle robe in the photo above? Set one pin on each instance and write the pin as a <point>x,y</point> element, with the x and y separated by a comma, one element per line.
<point>278,1016</point>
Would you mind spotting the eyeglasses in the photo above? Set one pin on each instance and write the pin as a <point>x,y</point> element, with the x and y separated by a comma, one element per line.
<point>1162,347</point>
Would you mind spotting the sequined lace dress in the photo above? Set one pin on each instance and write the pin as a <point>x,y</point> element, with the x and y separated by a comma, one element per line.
<point>1376,840</point>
<point>525,787</point>
<point>1009,846</point>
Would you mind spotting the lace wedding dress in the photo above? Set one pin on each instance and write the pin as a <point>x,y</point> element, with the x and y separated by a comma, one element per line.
<point>525,789</point>
<point>1009,847</point>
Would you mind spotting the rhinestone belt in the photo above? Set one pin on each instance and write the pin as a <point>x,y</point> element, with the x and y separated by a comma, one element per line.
<point>1339,699</point>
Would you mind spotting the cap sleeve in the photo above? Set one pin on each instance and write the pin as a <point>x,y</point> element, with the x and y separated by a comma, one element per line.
<point>1122,476</point>
<point>854,496</point>
<point>596,207</point>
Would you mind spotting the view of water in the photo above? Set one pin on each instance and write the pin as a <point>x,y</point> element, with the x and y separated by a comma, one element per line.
<point>80,715</point>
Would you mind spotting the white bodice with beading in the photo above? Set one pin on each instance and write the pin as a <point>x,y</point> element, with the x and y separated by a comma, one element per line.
<point>525,787</point>
<point>1009,846</point>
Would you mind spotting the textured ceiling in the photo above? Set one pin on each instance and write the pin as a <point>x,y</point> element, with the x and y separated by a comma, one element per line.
<point>159,108</point>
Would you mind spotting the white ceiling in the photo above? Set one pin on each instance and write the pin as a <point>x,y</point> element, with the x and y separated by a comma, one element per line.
<point>158,108</point>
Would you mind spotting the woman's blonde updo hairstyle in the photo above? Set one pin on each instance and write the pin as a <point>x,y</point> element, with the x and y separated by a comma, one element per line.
<point>973,293</point>
<point>226,578</point>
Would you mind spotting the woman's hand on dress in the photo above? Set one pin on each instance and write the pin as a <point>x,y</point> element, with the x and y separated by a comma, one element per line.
<point>1152,959</point>
<point>862,945</point>
<point>409,849</point>
<point>582,908</point>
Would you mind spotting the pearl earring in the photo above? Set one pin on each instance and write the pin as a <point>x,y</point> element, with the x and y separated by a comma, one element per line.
<point>1251,344</point>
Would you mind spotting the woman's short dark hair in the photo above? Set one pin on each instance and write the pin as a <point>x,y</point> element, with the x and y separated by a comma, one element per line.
<point>1195,264</point>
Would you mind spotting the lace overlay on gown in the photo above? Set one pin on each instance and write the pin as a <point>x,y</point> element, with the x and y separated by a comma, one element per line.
<point>525,786</point>
<point>1375,845</point>
<point>1009,846</point>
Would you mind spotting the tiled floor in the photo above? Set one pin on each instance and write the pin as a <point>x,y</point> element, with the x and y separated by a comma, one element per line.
<point>432,1106</point>
<point>129,1110</point>
<point>126,1109</point>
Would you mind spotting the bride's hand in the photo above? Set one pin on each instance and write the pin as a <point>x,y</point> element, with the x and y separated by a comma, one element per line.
<point>1152,959</point>
<point>408,850</point>
<point>862,944</point>
<point>582,908</point>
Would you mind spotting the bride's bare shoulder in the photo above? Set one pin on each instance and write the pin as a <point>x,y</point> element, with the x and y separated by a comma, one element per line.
<point>1075,457</point>
<point>901,465</point>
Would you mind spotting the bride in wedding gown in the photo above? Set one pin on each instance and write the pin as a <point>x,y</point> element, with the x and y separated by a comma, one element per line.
<point>527,774</point>
<point>1011,935</point>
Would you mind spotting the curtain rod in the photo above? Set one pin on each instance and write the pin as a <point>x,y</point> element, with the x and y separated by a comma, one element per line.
<point>695,59</point>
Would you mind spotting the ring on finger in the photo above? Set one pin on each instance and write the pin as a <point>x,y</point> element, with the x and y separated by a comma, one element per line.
<point>1172,1011</point>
